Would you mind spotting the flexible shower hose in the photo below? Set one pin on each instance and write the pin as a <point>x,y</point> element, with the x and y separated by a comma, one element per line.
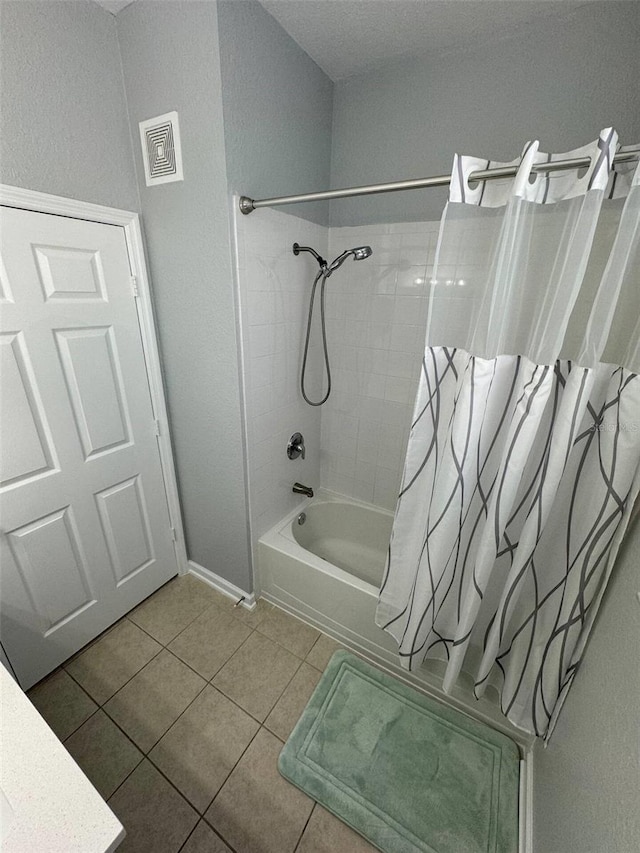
<point>323,274</point>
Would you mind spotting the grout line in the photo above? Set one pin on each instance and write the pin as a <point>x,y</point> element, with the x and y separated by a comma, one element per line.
<point>213,604</point>
<point>95,711</point>
<point>183,845</point>
<point>215,832</point>
<point>130,773</point>
<point>156,742</point>
<point>102,704</point>
<point>77,728</point>
<point>300,662</point>
<point>304,828</point>
<point>175,580</point>
<point>229,774</point>
<point>168,781</point>
<point>91,643</point>
<point>207,682</point>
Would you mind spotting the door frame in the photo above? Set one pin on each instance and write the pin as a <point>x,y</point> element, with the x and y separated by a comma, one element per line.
<point>60,206</point>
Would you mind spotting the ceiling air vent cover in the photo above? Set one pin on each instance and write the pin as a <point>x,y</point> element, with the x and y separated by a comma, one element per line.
<point>161,152</point>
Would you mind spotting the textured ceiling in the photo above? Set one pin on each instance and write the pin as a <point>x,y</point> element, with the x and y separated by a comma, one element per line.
<point>114,6</point>
<point>348,37</point>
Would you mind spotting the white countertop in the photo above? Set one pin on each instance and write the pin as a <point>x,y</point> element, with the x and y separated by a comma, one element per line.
<point>47,804</point>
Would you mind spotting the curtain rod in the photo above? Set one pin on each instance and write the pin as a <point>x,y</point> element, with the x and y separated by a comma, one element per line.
<point>249,204</point>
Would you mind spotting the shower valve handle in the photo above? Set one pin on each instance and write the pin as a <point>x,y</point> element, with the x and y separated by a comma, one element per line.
<point>295,447</point>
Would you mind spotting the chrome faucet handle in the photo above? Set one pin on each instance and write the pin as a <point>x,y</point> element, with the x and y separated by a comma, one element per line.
<point>295,447</point>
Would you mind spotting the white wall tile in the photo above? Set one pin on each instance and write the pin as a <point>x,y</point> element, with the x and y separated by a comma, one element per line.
<point>274,289</point>
<point>376,314</point>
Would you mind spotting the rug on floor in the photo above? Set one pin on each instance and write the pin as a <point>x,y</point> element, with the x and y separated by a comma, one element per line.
<point>405,771</point>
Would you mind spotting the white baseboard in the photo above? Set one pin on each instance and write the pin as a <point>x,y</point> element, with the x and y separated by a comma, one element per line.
<point>246,599</point>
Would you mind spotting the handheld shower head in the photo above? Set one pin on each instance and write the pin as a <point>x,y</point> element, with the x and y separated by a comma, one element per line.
<point>359,254</point>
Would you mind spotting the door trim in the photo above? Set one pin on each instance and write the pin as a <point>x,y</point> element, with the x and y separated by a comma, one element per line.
<point>130,222</point>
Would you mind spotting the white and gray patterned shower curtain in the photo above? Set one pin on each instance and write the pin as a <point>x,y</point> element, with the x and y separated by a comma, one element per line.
<point>523,460</point>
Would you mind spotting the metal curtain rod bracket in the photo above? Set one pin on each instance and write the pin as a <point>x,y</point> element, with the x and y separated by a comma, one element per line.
<point>249,204</point>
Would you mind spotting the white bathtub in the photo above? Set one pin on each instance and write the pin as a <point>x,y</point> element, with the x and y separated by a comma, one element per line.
<point>348,536</point>
<point>327,571</point>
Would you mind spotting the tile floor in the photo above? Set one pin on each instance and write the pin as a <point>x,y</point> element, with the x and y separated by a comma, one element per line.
<point>177,715</point>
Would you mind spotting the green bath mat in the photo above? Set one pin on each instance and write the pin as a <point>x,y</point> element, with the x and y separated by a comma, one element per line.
<point>406,772</point>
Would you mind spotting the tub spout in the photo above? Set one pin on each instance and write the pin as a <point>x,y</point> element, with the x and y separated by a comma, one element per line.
<point>299,489</point>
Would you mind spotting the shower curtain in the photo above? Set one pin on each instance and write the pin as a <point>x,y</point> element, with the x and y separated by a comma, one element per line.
<point>523,461</point>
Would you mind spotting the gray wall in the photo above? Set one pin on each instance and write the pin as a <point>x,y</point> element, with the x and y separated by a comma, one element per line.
<point>559,81</point>
<point>64,120</point>
<point>586,781</point>
<point>170,62</point>
<point>277,110</point>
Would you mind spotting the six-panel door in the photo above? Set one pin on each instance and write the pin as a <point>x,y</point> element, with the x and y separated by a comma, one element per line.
<point>86,533</point>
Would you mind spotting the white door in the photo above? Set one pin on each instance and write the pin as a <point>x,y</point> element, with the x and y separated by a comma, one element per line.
<point>83,510</point>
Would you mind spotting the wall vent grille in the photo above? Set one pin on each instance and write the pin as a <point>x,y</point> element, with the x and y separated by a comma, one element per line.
<point>161,150</point>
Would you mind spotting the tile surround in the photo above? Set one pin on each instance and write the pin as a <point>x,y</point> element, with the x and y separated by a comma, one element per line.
<point>376,323</point>
<point>376,315</point>
<point>274,288</point>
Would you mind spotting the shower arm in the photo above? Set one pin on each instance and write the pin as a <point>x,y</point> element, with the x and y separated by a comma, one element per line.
<point>297,248</point>
<point>247,205</point>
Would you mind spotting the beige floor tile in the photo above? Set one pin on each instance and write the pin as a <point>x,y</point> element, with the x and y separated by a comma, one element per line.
<point>168,611</point>
<point>254,617</point>
<point>103,752</point>
<point>290,632</point>
<point>256,675</point>
<point>157,819</point>
<point>105,666</point>
<point>208,643</point>
<point>63,704</point>
<point>154,698</point>
<point>257,810</point>
<point>94,641</point>
<point>321,653</point>
<point>224,602</point>
<point>293,701</point>
<point>326,834</point>
<point>203,746</point>
<point>204,840</point>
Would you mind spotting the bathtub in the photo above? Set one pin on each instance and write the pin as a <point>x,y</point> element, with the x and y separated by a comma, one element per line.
<point>348,536</point>
<point>324,564</point>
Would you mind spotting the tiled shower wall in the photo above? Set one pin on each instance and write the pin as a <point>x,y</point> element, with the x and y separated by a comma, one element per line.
<point>273,294</point>
<point>376,326</point>
<point>376,311</point>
